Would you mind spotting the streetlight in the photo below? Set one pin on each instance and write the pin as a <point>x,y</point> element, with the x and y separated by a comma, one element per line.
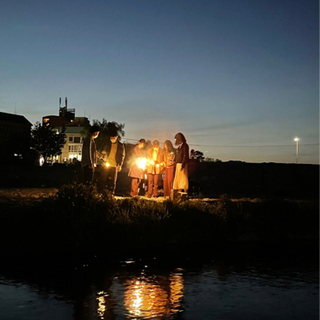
<point>297,148</point>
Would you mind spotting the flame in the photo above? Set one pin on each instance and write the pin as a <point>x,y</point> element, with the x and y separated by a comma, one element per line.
<point>107,164</point>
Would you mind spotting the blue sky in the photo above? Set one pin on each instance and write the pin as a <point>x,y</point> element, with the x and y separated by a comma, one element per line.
<point>239,78</point>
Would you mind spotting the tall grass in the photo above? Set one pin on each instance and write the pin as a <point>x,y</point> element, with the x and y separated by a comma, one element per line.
<point>82,222</point>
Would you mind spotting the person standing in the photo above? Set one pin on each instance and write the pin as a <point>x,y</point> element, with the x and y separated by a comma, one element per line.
<point>89,154</point>
<point>113,154</point>
<point>181,181</point>
<point>169,164</point>
<point>154,168</point>
<point>135,172</point>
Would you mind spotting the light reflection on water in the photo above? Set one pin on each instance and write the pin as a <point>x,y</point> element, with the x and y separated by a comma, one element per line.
<point>215,290</point>
<point>143,296</point>
<point>153,297</point>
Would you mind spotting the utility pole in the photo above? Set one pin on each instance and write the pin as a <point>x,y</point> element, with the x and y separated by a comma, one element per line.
<point>297,148</point>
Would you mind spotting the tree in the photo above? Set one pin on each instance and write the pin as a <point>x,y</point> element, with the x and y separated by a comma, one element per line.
<point>105,128</point>
<point>47,141</point>
<point>196,155</point>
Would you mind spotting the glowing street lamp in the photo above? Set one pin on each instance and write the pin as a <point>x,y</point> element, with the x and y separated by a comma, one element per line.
<point>297,148</point>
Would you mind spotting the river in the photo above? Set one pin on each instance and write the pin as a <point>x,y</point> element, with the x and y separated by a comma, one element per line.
<point>164,288</point>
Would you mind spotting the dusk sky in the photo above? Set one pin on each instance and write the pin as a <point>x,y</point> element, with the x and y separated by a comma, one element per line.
<point>240,78</point>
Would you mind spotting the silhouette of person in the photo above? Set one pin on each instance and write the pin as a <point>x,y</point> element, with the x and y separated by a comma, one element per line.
<point>89,154</point>
<point>113,155</point>
<point>181,181</point>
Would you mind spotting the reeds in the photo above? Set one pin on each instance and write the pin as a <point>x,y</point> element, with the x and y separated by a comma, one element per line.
<point>82,222</point>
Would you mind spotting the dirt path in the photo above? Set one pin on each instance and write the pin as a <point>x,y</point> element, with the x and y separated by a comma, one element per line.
<point>26,195</point>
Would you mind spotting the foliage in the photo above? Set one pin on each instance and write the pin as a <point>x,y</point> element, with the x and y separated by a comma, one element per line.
<point>105,128</point>
<point>46,141</point>
<point>80,222</point>
<point>196,155</point>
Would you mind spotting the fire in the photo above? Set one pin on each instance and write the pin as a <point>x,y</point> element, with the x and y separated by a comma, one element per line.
<point>107,164</point>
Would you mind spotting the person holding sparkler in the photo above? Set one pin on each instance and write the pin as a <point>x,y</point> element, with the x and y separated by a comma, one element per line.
<point>113,155</point>
<point>154,168</point>
<point>137,168</point>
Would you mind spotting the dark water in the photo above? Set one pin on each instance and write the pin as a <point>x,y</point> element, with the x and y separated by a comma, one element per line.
<point>158,288</point>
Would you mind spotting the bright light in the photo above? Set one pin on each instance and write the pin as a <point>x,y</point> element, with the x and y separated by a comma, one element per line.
<point>296,139</point>
<point>141,163</point>
<point>107,164</point>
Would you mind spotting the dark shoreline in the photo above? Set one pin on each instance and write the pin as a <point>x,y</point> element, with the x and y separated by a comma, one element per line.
<point>207,179</point>
<point>257,207</point>
<point>77,227</point>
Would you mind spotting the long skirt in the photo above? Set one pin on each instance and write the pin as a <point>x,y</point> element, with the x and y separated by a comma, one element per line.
<point>181,180</point>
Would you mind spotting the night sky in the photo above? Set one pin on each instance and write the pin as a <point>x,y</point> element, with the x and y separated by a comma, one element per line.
<point>239,78</point>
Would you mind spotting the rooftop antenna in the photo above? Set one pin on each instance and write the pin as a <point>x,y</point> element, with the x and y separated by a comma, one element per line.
<point>66,100</point>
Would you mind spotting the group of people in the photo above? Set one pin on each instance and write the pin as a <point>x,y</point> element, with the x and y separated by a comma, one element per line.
<point>169,162</point>
<point>113,155</point>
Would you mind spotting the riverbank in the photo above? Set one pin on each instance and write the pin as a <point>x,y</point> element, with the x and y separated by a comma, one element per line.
<point>79,224</point>
<point>207,179</point>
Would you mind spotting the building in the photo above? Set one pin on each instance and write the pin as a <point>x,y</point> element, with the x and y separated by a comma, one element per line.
<point>71,151</point>
<point>15,133</point>
<point>73,127</point>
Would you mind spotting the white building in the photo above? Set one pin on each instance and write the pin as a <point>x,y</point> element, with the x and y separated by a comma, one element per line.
<point>72,149</point>
<point>73,127</point>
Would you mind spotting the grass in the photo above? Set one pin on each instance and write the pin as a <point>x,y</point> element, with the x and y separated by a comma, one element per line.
<point>81,223</point>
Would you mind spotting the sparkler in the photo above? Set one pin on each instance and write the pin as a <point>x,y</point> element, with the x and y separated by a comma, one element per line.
<point>141,163</point>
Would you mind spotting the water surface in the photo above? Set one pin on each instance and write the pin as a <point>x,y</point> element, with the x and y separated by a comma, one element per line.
<point>159,289</point>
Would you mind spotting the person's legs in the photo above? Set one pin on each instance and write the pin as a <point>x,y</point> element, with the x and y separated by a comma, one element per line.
<point>115,178</point>
<point>155,184</point>
<point>110,179</point>
<point>170,179</point>
<point>166,189</point>
<point>134,186</point>
<point>150,184</point>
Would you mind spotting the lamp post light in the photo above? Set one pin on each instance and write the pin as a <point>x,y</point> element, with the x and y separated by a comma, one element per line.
<point>297,148</point>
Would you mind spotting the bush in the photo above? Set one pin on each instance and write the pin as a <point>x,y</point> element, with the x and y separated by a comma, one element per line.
<point>80,222</point>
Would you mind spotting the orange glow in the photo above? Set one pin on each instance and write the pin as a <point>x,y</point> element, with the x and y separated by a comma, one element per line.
<point>101,306</point>
<point>107,164</point>
<point>141,163</point>
<point>149,298</point>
